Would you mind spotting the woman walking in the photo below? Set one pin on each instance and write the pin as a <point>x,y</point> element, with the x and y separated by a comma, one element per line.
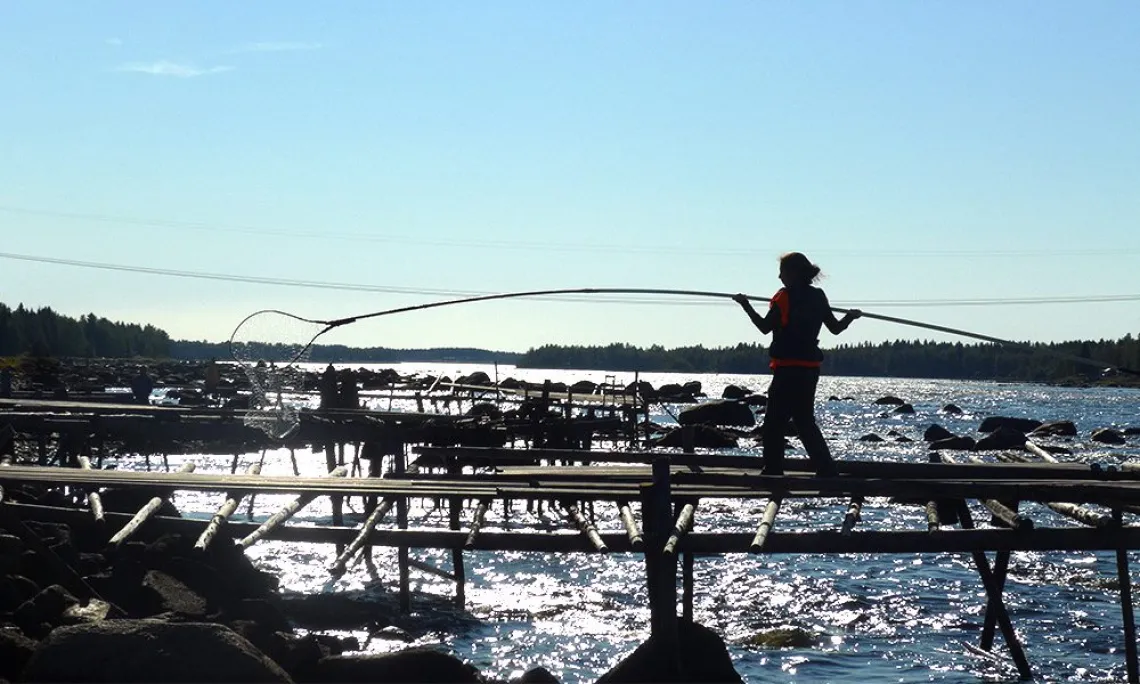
<point>794,317</point>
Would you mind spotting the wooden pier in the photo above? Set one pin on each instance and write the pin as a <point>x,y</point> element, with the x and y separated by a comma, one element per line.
<point>653,497</point>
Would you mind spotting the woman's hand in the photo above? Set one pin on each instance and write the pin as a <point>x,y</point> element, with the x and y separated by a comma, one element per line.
<point>741,299</point>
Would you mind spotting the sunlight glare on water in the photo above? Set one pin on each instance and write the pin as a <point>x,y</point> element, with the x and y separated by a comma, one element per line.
<point>850,618</point>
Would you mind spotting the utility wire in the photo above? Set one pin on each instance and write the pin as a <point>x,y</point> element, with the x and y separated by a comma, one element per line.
<point>389,289</point>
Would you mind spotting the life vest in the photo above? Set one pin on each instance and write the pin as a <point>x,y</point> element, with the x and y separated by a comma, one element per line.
<point>795,334</point>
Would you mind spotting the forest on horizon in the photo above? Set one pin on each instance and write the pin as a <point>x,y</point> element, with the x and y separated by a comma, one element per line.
<point>43,332</point>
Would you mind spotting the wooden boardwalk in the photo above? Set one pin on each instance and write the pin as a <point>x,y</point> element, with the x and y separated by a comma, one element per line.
<point>653,497</point>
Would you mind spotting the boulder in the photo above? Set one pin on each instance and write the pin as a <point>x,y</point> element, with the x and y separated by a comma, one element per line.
<point>889,401</point>
<point>584,387</point>
<point>699,656</point>
<point>1055,428</point>
<point>414,665</point>
<point>1002,438</point>
<point>734,392</point>
<point>39,614</point>
<point>952,410</point>
<point>1023,424</point>
<point>169,595</point>
<point>15,651</point>
<point>871,437</point>
<point>485,410</point>
<point>704,437</point>
<point>954,444</point>
<point>732,413</point>
<point>536,675</point>
<point>903,409</point>
<point>1107,436</point>
<point>149,651</point>
<point>936,432</point>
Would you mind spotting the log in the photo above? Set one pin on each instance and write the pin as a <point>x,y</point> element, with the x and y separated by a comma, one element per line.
<point>586,527</point>
<point>1040,452</point>
<point>287,511</point>
<point>765,526</point>
<point>933,522</point>
<point>222,516</point>
<point>635,540</point>
<point>476,523</point>
<point>430,569</point>
<point>143,514</point>
<point>341,563</point>
<point>853,515</point>
<point>684,524</point>
<point>94,501</point>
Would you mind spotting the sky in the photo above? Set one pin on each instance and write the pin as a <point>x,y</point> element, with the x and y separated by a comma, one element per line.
<point>967,164</point>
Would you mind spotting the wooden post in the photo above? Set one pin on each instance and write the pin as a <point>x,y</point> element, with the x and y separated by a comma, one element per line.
<point>224,512</point>
<point>94,501</point>
<point>993,592</point>
<point>765,526</point>
<point>661,569</point>
<point>143,514</point>
<point>336,501</point>
<point>1125,578</point>
<point>287,511</point>
<point>402,523</point>
<point>477,523</point>
<point>854,509</point>
<point>635,541</point>
<point>455,504</point>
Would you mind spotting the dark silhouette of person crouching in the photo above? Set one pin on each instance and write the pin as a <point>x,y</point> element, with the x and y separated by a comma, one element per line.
<point>794,318</point>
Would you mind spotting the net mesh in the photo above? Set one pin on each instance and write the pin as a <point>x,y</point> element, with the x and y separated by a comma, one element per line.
<point>269,346</point>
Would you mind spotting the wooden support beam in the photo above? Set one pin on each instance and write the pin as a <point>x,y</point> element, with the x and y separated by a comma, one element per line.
<point>145,513</point>
<point>1125,579</point>
<point>765,526</point>
<point>430,569</point>
<point>374,517</point>
<point>94,501</point>
<point>583,525</point>
<point>993,593</point>
<point>989,624</point>
<point>635,540</point>
<point>223,515</point>
<point>854,509</point>
<point>476,523</point>
<point>286,512</point>
<point>455,508</point>
<point>933,522</point>
<point>683,525</point>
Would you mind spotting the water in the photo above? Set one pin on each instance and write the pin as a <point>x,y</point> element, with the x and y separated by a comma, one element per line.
<point>862,617</point>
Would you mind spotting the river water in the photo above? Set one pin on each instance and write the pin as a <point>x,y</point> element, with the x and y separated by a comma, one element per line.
<point>857,617</point>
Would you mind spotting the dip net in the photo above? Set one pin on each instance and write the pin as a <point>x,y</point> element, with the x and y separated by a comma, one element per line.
<point>270,347</point>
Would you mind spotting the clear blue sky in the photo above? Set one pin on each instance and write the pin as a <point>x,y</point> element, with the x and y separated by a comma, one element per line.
<point>920,152</point>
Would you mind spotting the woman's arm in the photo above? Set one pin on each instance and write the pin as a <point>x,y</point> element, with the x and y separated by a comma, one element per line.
<point>761,323</point>
<point>837,326</point>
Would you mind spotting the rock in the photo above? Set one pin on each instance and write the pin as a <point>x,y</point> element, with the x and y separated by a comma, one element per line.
<point>536,675</point>
<point>903,409</point>
<point>1056,428</point>
<point>1023,424</point>
<point>951,409</point>
<point>954,444</point>
<point>700,656</point>
<point>94,611</point>
<point>15,651</point>
<point>39,614</point>
<point>783,637</point>
<point>1132,431</point>
<point>676,393</point>
<point>734,392</point>
<point>411,666</point>
<point>732,413</point>
<point>584,387</point>
<point>1107,436</point>
<point>936,432</point>
<point>149,651</point>
<point>889,401</point>
<point>872,437</point>
<point>704,437</point>
<point>756,400</point>
<point>172,596</point>
<point>485,410</point>
<point>1002,438</point>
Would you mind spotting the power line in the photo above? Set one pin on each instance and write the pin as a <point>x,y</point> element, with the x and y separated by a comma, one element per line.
<point>389,289</point>
<point>592,247</point>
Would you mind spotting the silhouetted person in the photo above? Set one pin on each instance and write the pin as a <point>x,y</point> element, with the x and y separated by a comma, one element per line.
<point>213,377</point>
<point>328,388</point>
<point>142,386</point>
<point>349,393</point>
<point>794,317</point>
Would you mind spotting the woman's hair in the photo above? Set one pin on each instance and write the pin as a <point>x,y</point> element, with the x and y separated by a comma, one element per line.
<point>798,267</point>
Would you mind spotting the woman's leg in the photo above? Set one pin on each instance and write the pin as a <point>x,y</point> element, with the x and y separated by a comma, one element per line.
<point>776,416</point>
<point>803,415</point>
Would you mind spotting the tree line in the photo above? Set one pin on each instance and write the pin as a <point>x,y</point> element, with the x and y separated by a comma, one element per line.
<point>1036,362</point>
<point>43,332</point>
